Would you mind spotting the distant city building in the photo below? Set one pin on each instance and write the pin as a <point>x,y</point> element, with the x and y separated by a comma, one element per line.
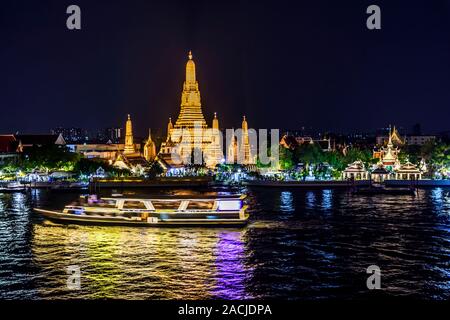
<point>71,135</point>
<point>107,152</point>
<point>112,134</point>
<point>417,140</point>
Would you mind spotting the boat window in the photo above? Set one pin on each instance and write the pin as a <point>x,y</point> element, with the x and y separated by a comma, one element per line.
<point>101,205</point>
<point>171,205</point>
<point>133,205</point>
<point>206,205</point>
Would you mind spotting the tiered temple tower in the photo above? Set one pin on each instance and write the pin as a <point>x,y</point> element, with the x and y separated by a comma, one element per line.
<point>129,144</point>
<point>191,130</point>
<point>389,155</point>
<point>191,108</point>
<point>245,143</point>
<point>215,150</point>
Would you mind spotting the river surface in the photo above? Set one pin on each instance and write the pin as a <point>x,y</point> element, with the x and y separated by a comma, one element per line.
<point>299,244</point>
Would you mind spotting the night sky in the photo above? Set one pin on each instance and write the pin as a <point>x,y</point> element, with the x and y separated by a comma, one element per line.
<point>282,64</point>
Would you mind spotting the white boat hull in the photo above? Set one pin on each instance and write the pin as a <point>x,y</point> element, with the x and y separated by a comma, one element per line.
<point>156,220</point>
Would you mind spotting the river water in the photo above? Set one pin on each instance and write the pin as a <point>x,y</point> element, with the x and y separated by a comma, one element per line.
<point>299,244</point>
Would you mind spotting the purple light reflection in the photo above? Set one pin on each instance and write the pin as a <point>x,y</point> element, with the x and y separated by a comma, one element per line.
<point>231,272</point>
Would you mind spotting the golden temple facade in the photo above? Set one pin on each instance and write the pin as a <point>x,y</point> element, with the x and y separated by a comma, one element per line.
<point>191,131</point>
<point>191,141</point>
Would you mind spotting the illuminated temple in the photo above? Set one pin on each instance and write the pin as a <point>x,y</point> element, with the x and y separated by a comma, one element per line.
<point>190,135</point>
<point>131,157</point>
<point>388,156</point>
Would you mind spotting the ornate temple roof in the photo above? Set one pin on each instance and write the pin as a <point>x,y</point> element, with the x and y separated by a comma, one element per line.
<point>408,167</point>
<point>396,138</point>
<point>357,166</point>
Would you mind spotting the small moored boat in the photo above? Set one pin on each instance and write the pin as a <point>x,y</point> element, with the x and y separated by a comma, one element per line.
<point>155,212</point>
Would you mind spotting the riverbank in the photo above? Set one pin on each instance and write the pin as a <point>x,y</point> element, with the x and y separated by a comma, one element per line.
<point>306,184</point>
<point>346,184</point>
<point>207,181</point>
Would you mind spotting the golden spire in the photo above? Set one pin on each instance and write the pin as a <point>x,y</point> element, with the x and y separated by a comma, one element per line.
<point>149,148</point>
<point>215,123</point>
<point>129,145</point>
<point>190,70</point>
<point>244,124</point>
<point>169,129</point>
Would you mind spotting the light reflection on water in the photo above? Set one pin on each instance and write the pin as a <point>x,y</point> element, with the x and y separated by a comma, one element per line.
<point>159,263</point>
<point>287,201</point>
<point>327,197</point>
<point>302,244</point>
<point>310,199</point>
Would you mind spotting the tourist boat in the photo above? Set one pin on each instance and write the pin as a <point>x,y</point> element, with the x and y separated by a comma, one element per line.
<point>13,187</point>
<point>222,211</point>
<point>375,190</point>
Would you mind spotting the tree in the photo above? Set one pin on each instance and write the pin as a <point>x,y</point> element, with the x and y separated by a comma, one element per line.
<point>309,153</point>
<point>49,157</point>
<point>440,158</point>
<point>286,159</point>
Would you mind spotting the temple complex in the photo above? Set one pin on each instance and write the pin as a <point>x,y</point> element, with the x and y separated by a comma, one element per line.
<point>189,140</point>
<point>389,166</point>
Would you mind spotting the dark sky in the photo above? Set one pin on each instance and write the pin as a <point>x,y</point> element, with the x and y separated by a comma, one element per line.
<point>282,64</point>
